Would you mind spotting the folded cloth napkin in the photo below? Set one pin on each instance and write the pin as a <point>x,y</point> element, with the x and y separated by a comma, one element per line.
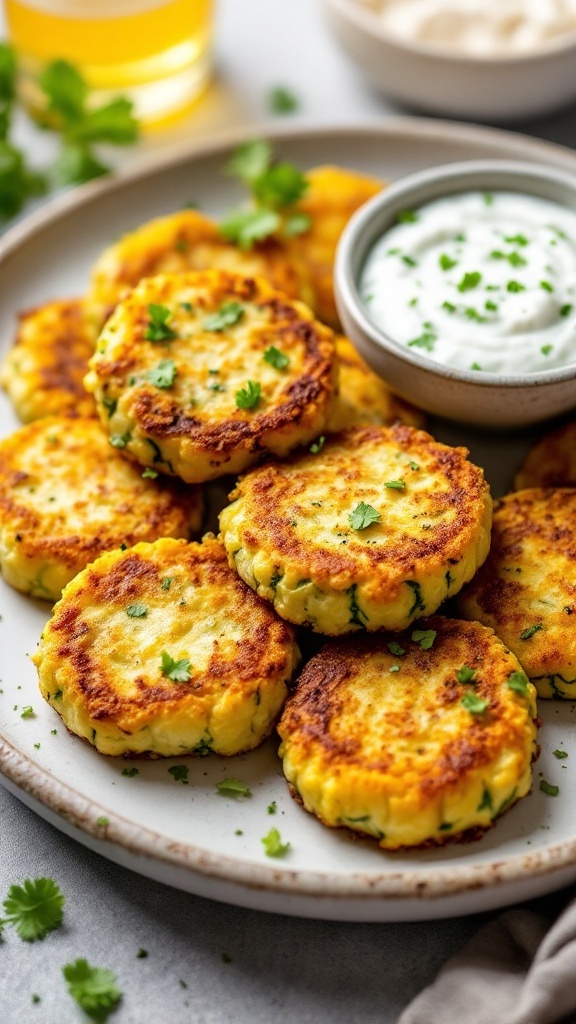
<point>518,969</point>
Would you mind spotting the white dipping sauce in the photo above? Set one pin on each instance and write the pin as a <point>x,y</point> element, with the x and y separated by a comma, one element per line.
<point>478,27</point>
<point>479,281</point>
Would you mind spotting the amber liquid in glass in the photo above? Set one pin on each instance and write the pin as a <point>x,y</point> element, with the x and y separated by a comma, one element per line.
<point>155,51</point>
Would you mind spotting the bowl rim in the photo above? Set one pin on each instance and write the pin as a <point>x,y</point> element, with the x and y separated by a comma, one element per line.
<point>365,19</point>
<point>352,238</point>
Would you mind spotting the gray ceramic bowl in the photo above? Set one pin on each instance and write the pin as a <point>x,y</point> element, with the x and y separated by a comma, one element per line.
<point>484,399</point>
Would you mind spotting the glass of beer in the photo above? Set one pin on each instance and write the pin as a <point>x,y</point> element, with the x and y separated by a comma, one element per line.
<point>156,52</point>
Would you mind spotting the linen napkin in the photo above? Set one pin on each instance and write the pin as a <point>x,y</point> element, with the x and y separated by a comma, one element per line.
<point>518,969</point>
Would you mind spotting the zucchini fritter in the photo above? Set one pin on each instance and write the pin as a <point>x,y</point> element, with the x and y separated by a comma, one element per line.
<point>526,590</point>
<point>551,462</point>
<point>202,374</point>
<point>162,651</point>
<point>333,195</point>
<point>374,529</point>
<point>414,738</point>
<point>44,371</point>
<point>185,241</point>
<point>363,397</point>
<point>66,496</point>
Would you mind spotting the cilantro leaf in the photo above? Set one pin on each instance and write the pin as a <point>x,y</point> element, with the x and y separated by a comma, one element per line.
<point>282,100</point>
<point>518,682</point>
<point>250,160</point>
<point>248,397</point>
<point>177,671</point>
<point>76,164</point>
<point>163,375</point>
<point>158,328</point>
<point>469,281</point>
<point>129,773</point>
<point>465,674</point>
<point>279,360</point>
<point>149,474</point>
<point>179,773</point>
<point>137,610</point>
<point>248,226</point>
<point>446,262</point>
<point>233,787</point>
<point>65,89</point>
<point>34,908</point>
<point>114,122</point>
<point>474,704</point>
<point>363,515</point>
<point>281,185</point>
<point>395,485</point>
<point>228,315</point>
<point>560,754</point>
<point>93,988</point>
<point>17,182</point>
<point>273,845</point>
<point>7,73</point>
<point>424,638</point>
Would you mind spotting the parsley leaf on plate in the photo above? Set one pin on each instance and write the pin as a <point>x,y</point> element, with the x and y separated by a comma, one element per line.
<point>465,674</point>
<point>34,908</point>
<point>518,681</point>
<point>248,226</point>
<point>158,328</point>
<point>273,845</point>
<point>282,100</point>
<point>94,988</point>
<point>228,315</point>
<point>233,787</point>
<point>424,638</point>
<point>474,704</point>
<point>248,397</point>
<point>279,360</point>
<point>163,375</point>
<point>137,610</point>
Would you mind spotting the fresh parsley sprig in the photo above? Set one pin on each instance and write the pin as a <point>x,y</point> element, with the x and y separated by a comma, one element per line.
<point>34,908</point>
<point>275,188</point>
<point>17,181</point>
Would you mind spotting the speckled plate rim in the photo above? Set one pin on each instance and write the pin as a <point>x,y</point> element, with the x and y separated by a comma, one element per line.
<point>81,813</point>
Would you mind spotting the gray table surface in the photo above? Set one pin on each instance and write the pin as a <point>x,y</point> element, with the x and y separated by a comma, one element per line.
<point>282,969</point>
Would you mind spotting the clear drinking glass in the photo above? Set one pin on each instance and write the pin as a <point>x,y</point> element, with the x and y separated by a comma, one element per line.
<point>157,52</point>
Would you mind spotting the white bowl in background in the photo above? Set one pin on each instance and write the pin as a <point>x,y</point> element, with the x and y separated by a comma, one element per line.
<point>442,81</point>
<point>484,399</point>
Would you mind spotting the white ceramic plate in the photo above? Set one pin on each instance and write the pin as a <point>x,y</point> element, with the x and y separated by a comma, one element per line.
<point>186,835</point>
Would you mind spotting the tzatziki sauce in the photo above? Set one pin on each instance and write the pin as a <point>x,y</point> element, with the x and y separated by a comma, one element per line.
<point>478,281</point>
<point>485,28</point>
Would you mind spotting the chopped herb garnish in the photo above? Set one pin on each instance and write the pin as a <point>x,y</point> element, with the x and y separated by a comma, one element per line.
<point>177,671</point>
<point>488,199</point>
<point>137,610</point>
<point>446,262</point>
<point>165,585</point>
<point>465,674</point>
<point>516,239</point>
<point>272,808</point>
<point>233,787</point>
<point>273,845</point>
<point>318,445</point>
<point>27,712</point>
<point>216,387</point>
<point>102,821</point>
<point>394,668</point>
<point>409,261</point>
<point>560,754</point>
<point>396,649</point>
<point>527,633</point>
<point>449,306</point>
<point>469,281</point>
<point>363,516</point>
<point>407,217</point>
<point>414,466</point>
<point>163,375</point>
<point>518,682</point>
<point>566,310</point>
<point>158,328</point>
<point>473,314</point>
<point>179,773</point>
<point>34,908</point>
<point>187,306</point>
<point>548,788</point>
<point>425,340</point>
<point>474,704</point>
<point>475,366</point>
<point>515,286</point>
<point>248,397</point>
<point>418,605</point>
<point>141,954</point>
<point>546,286</point>
<point>424,638</point>
<point>130,773</point>
<point>297,224</point>
<point>514,258</point>
<point>395,485</point>
<point>546,349</point>
<point>149,474</point>
<point>120,440</point>
<point>279,360</point>
<point>282,100</point>
<point>228,315</point>
<point>413,302</point>
<point>93,988</point>
<point>491,306</point>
